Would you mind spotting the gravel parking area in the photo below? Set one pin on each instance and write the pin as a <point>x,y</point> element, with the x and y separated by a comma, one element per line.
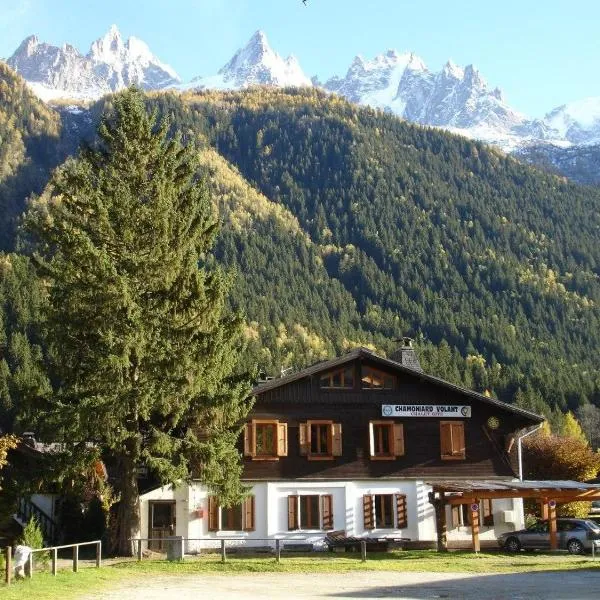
<point>567,585</point>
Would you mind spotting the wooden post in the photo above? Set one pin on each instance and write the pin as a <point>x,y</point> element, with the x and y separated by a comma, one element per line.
<point>544,511</point>
<point>223,553</point>
<point>139,550</point>
<point>54,561</point>
<point>75,559</point>
<point>363,550</point>
<point>474,508</point>
<point>278,551</point>
<point>30,563</point>
<point>440,521</point>
<point>552,523</point>
<point>8,564</point>
<point>98,555</point>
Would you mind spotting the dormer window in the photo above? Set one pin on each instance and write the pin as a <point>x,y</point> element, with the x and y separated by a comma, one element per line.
<point>341,378</point>
<point>374,379</point>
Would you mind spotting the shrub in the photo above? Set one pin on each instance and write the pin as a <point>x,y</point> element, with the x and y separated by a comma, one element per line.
<point>34,538</point>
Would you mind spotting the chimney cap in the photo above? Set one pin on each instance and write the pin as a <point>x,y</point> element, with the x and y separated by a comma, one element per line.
<point>407,342</point>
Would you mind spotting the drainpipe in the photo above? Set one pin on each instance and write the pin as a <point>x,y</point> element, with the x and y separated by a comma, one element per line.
<point>520,448</point>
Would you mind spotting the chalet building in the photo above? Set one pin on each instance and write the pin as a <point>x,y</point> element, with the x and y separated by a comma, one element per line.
<point>356,444</point>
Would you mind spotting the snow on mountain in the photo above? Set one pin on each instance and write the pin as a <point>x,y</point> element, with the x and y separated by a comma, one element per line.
<point>111,64</point>
<point>454,98</point>
<point>578,122</point>
<point>254,64</point>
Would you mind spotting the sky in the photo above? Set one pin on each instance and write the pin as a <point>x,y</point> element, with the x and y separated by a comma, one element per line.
<point>541,54</point>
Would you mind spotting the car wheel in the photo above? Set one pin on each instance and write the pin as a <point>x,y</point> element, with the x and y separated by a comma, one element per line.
<point>575,547</point>
<point>512,544</point>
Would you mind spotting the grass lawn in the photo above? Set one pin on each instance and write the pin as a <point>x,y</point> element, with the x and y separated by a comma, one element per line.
<point>67,585</point>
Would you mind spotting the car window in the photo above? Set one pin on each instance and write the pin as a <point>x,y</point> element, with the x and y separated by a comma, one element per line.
<point>593,526</point>
<point>539,527</point>
<point>564,526</point>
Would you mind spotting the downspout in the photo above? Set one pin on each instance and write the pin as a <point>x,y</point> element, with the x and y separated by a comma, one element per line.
<point>520,448</point>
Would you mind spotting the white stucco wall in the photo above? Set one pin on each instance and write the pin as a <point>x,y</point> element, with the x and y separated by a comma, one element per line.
<point>271,513</point>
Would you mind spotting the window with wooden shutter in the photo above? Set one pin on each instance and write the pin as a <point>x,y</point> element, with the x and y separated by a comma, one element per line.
<point>382,440</point>
<point>320,440</point>
<point>369,521</point>
<point>452,440</point>
<point>213,514</point>
<point>248,508</point>
<point>401,511</point>
<point>336,443</point>
<point>461,515</point>
<point>327,511</point>
<point>292,513</point>
<point>265,439</point>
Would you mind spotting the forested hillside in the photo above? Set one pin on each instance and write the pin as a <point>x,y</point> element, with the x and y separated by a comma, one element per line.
<point>346,226</point>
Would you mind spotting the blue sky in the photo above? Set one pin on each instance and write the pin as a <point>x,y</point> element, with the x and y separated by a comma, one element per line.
<point>542,54</point>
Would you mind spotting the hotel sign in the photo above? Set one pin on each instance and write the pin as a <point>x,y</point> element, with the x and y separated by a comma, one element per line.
<point>425,410</point>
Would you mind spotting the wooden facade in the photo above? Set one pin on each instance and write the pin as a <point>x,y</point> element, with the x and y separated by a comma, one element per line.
<point>300,398</point>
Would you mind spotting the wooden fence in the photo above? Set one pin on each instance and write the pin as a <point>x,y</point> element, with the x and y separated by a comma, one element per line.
<point>54,551</point>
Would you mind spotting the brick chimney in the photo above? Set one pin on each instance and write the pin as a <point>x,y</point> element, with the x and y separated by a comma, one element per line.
<point>406,355</point>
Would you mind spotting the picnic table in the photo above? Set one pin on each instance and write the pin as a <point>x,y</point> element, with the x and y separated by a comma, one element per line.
<point>338,539</point>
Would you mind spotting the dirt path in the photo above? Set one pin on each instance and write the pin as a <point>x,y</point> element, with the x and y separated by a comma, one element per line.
<point>567,585</point>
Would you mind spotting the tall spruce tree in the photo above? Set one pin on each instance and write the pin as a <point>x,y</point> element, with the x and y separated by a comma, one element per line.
<point>143,349</point>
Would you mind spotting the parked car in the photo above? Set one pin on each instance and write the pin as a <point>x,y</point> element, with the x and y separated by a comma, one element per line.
<point>595,508</point>
<point>574,535</point>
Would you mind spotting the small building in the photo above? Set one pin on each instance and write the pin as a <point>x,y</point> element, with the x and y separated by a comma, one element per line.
<point>356,444</point>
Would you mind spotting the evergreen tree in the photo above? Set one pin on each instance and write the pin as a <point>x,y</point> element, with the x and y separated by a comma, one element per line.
<point>143,351</point>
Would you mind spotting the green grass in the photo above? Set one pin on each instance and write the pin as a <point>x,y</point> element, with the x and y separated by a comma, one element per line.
<point>67,585</point>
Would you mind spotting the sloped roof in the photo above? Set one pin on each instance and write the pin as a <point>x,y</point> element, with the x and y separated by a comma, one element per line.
<point>366,353</point>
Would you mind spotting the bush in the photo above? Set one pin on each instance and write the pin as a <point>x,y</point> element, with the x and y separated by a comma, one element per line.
<point>34,538</point>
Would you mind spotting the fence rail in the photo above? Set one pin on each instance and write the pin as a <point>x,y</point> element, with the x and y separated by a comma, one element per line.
<point>223,549</point>
<point>54,550</point>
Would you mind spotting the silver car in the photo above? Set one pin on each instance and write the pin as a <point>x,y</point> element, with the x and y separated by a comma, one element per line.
<point>575,535</point>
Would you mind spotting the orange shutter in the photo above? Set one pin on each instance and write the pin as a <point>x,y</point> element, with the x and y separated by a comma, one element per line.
<point>369,522</point>
<point>213,514</point>
<point>292,512</point>
<point>398,439</point>
<point>458,440</point>
<point>303,433</point>
<point>336,441</point>
<point>248,508</point>
<point>282,444</point>
<point>249,449</point>
<point>401,512</point>
<point>455,515</point>
<point>446,439</point>
<point>327,511</point>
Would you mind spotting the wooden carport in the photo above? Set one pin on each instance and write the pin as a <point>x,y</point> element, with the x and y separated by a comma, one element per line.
<point>547,493</point>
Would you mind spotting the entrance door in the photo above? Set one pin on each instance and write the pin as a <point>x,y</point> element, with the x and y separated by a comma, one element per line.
<point>161,524</point>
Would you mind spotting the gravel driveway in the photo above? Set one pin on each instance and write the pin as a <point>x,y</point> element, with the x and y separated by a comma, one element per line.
<point>567,585</point>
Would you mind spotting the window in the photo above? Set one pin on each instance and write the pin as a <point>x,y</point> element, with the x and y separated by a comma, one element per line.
<point>452,440</point>
<point>384,511</point>
<point>373,379</point>
<point>386,440</point>
<point>486,512</point>
<point>461,514</point>
<point>342,378</point>
<point>265,440</point>
<point>320,440</point>
<point>310,511</point>
<point>234,518</point>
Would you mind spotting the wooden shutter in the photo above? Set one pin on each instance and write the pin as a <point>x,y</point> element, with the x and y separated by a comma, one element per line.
<point>303,441</point>
<point>292,512</point>
<point>455,515</point>
<point>327,511</point>
<point>488,515</point>
<point>369,521</point>
<point>446,438</point>
<point>401,512</point>
<point>282,444</point>
<point>249,449</point>
<point>248,508</point>
<point>398,439</point>
<point>336,440</point>
<point>371,440</point>
<point>213,514</point>
<point>458,440</point>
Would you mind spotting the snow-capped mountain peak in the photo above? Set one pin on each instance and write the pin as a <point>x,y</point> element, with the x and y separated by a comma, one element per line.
<point>255,64</point>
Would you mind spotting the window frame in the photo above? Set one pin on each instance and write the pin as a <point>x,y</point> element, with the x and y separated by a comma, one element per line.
<point>384,375</point>
<point>330,375</point>
<point>395,437</point>
<point>397,505</point>
<point>334,439</point>
<point>217,515</point>
<point>279,439</point>
<point>453,454</point>
<point>300,508</point>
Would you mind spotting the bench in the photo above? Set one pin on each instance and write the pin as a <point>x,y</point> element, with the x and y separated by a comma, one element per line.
<point>338,540</point>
